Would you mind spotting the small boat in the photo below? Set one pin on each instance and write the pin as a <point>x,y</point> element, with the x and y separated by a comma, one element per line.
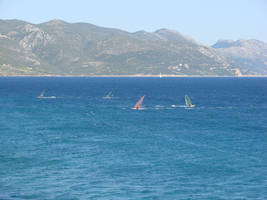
<point>108,96</point>
<point>138,105</point>
<point>160,75</point>
<point>188,102</point>
<point>41,96</point>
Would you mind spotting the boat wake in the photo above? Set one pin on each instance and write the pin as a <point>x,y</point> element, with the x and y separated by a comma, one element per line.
<point>52,97</point>
<point>178,106</point>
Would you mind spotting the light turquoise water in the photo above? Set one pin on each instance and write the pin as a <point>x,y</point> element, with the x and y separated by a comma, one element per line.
<point>81,146</point>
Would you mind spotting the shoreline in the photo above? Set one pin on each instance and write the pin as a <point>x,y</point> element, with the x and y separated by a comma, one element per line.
<point>139,76</point>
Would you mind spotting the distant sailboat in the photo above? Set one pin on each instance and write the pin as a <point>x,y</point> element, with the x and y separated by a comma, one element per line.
<point>41,96</point>
<point>160,75</point>
<point>188,102</point>
<point>138,105</point>
<point>108,96</point>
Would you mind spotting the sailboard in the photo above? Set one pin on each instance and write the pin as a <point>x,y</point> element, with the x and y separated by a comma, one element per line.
<point>42,96</point>
<point>138,105</point>
<point>188,102</point>
<point>108,96</point>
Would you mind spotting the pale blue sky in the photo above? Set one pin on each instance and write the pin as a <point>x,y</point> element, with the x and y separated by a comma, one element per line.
<point>204,20</point>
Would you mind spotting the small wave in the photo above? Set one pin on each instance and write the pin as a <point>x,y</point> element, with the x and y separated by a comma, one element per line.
<point>157,107</point>
<point>178,106</point>
<point>139,108</point>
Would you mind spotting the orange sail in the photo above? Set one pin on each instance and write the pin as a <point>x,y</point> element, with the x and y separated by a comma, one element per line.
<point>139,103</point>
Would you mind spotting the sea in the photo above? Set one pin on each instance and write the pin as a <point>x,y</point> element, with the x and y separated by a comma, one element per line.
<point>82,146</point>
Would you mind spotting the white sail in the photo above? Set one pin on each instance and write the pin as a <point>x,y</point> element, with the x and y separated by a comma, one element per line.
<point>108,96</point>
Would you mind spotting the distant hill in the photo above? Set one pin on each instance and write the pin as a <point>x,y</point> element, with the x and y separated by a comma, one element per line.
<point>250,56</point>
<point>60,48</point>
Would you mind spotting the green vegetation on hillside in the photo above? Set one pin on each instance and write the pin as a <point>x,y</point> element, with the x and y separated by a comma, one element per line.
<point>60,48</point>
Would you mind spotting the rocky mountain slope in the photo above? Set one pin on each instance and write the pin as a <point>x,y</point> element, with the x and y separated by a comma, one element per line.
<point>60,48</point>
<point>248,55</point>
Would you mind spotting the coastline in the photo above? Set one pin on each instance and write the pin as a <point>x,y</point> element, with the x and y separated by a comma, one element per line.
<point>140,76</point>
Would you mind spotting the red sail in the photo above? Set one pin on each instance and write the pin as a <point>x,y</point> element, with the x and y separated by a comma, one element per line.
<point>139,103</point>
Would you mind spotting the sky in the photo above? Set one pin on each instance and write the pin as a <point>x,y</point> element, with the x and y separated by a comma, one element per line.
<point>206,21</point>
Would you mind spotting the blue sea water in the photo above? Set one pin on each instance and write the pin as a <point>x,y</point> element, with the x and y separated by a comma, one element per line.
<point>81,146</point>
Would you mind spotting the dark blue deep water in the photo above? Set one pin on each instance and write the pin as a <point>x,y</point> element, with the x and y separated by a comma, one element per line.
<point>81,146</point>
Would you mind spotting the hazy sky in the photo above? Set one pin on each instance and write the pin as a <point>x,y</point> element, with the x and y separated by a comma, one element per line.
<point>204,20</point>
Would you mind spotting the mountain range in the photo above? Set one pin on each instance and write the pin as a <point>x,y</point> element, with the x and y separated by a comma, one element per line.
<point>81,49</point>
